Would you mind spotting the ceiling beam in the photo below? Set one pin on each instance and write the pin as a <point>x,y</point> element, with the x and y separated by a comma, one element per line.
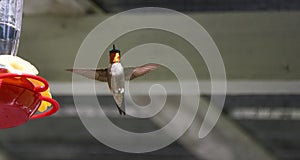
<point>227,141</point>
<point>59,7</point>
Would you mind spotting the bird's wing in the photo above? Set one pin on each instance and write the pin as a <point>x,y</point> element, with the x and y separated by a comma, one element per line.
<point>97,74</point>
<point>134,72</point>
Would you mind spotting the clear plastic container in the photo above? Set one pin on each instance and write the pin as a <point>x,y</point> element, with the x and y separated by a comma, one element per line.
<point>10,26</point>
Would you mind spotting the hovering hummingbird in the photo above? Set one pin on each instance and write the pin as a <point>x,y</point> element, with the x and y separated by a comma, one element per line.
<point>115,75</point>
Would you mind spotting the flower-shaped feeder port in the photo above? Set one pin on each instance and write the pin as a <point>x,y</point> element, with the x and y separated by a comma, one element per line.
<point>20,99</point>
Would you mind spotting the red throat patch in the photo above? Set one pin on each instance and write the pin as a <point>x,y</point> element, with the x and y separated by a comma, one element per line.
<point>115,57</point>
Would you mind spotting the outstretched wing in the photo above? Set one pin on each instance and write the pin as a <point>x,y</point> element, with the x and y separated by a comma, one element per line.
<point>97,74</point>
<point>134,72</point>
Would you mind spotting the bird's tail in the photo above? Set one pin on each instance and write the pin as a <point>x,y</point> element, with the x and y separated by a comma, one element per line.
<point>121,112</point>
<point>121,108</point>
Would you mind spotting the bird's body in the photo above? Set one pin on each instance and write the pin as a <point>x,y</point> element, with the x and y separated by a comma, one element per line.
<point>115,75</point>
<point>116,83</point>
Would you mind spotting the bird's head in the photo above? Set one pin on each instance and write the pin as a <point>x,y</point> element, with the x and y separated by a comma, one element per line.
<point>114,55</point>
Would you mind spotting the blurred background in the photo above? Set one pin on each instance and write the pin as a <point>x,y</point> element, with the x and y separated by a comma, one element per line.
<point>258,41</point>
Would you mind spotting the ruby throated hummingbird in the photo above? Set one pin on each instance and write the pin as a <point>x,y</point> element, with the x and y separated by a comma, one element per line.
<point>115,75</point>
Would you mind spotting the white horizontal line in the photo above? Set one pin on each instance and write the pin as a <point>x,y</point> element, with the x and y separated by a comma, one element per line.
<point>233,87</point>
<point>266,113</point>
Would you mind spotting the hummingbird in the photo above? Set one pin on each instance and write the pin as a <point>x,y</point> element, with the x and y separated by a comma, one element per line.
<point>115,75</point>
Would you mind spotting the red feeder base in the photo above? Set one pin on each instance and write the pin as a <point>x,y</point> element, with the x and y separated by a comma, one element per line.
<point>20,99</point>
<point>12,116</point>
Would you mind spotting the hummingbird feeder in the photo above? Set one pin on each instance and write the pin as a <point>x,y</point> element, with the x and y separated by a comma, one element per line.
<point>20,93</point>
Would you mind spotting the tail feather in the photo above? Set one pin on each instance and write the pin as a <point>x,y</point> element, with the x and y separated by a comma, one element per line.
<point>120,110</point>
